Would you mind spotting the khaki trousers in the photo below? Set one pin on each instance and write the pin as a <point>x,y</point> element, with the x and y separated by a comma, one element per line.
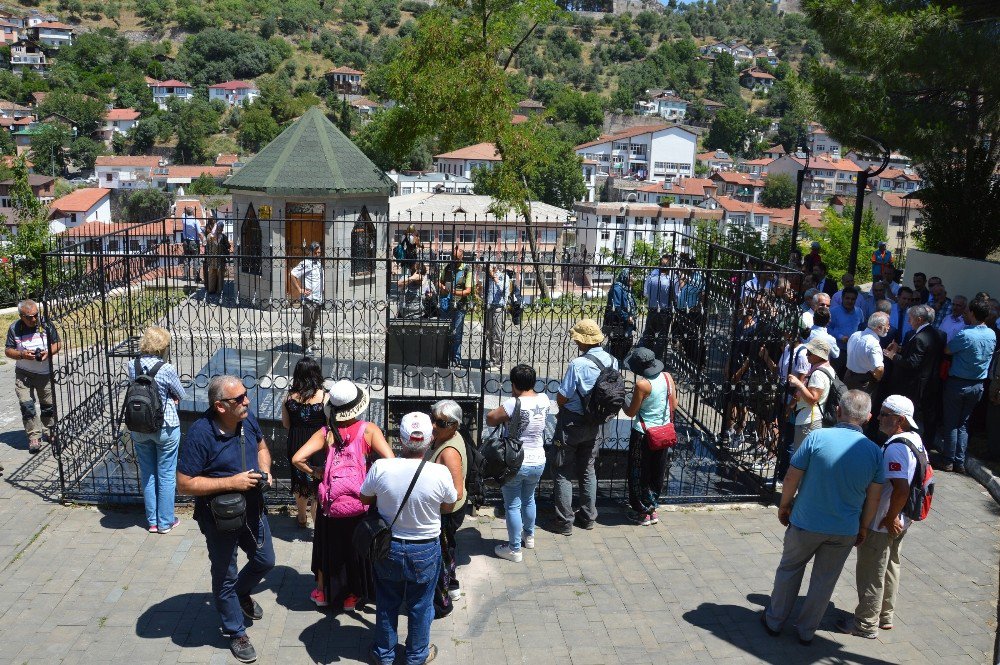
<point>878,580</point>
<point>26,383</point>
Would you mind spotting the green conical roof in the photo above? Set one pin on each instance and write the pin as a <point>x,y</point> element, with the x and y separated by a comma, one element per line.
<point>311,158</point>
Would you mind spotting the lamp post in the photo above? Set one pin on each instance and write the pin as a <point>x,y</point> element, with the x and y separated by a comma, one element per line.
<point>859,204</point>
<point>800,179</point>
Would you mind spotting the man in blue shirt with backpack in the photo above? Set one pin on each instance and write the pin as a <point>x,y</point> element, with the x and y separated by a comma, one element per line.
<point>576,429</point>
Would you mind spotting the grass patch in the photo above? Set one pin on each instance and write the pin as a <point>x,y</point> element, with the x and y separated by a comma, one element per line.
<point>85,325</point>
<point>21,551</point>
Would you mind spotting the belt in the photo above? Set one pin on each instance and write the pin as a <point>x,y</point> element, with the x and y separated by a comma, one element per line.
<point>414,541</point>
<point>962,378</point>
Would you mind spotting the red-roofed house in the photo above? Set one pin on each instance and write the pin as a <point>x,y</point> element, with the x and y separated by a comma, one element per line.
<point>125,172</point>
<point>775,151</point>
<point>820,141</point>
<point>234,92</point>
<point>782,220</point>
<point>756,79</point>
<point>740,186</point>
<point>754,167</point>
<point>364,106</point>
<point>900,216</point>
<point>608,230</point>
<point>90,204</point>
<point>517,119</point>
<point>716,160</point>
<point>740,213</point>
<point>658,153</point>
<point>345,80</point>
<point>172,177</point>
<point>27,55</point>
<point>118,121</point>
<point>227,159</point>
<point>898,181</point>
<point>9,32</point>
<point>464,160</point>
<point>52,34</point>
<point>683,191</point>
<point>163,90</point>
<point>828,175</point>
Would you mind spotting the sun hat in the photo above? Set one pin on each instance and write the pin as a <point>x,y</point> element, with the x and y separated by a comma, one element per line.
<point>901,406</point>
<point>415,427</point>
<point>644,362</point>
<point>819,347</point>
<point>586,331</point>
<point>347,401</point>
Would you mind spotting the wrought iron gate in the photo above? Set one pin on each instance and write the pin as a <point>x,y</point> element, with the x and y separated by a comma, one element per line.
<point>381,332</point>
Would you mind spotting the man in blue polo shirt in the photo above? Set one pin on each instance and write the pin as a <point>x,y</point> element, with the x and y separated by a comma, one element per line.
<point>225,452</point>
<point>971,351</point>
<point>576,446</point>
<point>838,474</point>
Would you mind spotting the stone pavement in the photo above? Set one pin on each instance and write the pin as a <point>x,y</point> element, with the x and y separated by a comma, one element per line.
<point>89,585</point>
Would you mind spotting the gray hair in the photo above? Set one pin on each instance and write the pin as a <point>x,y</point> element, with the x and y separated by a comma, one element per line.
<point>818,296</point>
<point>26,304</point>
<point>448,408</point>
<point>924,313</point>
<point>414,448</point>
<point>855,407</point>
<point>217,386</point>
<point>877,320</point>
<point>883,306</point>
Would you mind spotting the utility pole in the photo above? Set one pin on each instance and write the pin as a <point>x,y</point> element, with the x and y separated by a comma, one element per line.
<point>800,179</point>
<point>859,204</point>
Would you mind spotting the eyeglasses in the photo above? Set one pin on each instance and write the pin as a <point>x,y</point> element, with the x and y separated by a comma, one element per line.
<point>30,316</point>
<point>235,400</point>
<point>441,422</point>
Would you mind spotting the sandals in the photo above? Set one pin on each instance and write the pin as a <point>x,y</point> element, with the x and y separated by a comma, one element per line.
<point>34,446</point>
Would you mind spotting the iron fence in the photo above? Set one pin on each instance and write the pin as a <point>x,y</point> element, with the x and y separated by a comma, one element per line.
<point>726,314</point>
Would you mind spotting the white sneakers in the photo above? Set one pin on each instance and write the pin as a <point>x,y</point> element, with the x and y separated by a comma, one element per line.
<point>528,541</point>
<point>504,552</point>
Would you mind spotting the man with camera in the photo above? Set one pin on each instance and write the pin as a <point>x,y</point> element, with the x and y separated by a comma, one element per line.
<point>225,463</point>
<point>30,342</point>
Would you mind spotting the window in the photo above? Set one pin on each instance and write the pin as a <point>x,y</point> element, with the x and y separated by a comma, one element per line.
<point>620,146</point>
<point>407,190</point>
<point>509,235</point>
<point>659,166</point>
<point>490,236</point>
<point>606,219</point>
<point>620,220</point>
<point>546,235</point>
<point>821,147</point>
<point>113,244</point>
<point>466,235</point>
<point>134,246</point>
<point>605,234</point>
<point>896,220</point>
<point>446,236</point>
<point>425,235</point>
<point>107,177</point>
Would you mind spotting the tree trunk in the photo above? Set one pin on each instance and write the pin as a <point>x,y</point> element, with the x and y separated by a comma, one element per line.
<point>525,210</point>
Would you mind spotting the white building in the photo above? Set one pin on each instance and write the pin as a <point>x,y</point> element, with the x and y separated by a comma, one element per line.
<point>163,90</point>
<point>461,162</point>
<point>345,79</point>
<point>125,172</point>
<point>118,121</point>
<point>432,182</point>
<point>234,93</point>
<point>610,231</point>
<point>737,213</point>
<point>652,152</point>
<point>90,204</point>
<point>170,178</point>
<point>26,55</point>
<point>820,141</point>
<point>52,34</point>
<point>664,104</point>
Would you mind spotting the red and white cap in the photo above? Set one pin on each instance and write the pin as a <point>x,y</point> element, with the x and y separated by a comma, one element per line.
<point>415,428</point>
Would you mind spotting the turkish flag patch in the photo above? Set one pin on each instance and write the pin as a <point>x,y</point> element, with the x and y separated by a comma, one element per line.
<point>895,466</point>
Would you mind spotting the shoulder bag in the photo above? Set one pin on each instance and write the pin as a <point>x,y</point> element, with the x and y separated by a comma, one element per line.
<point>229,510</point>
<point>665,435</point>
<point>372,535</point>
<point>502,454</point>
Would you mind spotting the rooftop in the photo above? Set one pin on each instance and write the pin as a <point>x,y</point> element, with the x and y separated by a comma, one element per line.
<point>346,70</point>
<point>143,161</point>
<point>483,151</point>
<point>80,200</point>
<point>464,206</point>
<point>234,85</point>
<point>633,131</point>
<point>121,114</point>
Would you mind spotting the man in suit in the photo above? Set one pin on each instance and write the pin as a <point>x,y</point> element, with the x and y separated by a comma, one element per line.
<point>823,283</point>
<point>914,366</point>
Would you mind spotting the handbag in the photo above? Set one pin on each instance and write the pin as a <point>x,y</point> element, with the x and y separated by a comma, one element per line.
<point>229,510</point>
<point>502,456</point>
<point>661,436</point>
<point>372,535</point>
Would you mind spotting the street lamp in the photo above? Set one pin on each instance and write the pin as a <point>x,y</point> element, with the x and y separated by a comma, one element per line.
<point>800,179</point>
<point>859,204</point>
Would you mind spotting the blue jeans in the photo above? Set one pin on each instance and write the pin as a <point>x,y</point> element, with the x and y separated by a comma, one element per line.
<point>409,574</point>
<point>519,500</point>
<point>457,332</point>
<point>157,456</point>
<point>960,398</point>
<point>228,583</point>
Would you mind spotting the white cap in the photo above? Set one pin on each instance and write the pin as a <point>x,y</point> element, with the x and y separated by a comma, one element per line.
<point>901,406</point>
<point>415,428</point>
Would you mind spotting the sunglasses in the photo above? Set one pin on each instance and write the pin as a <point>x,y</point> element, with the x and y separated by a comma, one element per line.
<point>30,316</point>
<point>235,400</point>
<point>886,414</point>
<point>441,422</point>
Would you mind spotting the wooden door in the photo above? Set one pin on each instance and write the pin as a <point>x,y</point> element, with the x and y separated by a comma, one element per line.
<point>301,230</point>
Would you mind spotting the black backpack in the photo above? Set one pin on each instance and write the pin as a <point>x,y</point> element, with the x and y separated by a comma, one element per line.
<point>837,391</point>
<point>475,489</point>
<point>143,408</point>
<point>606,398</point>
<point>500,456</point>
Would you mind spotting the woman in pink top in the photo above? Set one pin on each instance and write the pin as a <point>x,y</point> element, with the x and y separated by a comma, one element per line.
<point>348,443</point>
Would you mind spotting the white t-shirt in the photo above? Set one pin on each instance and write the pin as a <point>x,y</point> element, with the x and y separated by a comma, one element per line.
<point>803,413</point>
<point>864,352</point>
<point>898,462</point>
<point>387,481</point>
<point>310,275</point>
<point>534,411</point>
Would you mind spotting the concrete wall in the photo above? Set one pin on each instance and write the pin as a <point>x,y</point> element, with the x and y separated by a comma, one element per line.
<point>964,277</point>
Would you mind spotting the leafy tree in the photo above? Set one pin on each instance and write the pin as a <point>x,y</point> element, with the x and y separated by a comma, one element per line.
<point>735,131</point>
<point>142,136</point>
<point>204,185</point>
<point>779,191</point>
<point>215,55</point>
<point>84,113</point>
<point>835,238</point>
<point>724,85</point>
<point>26,205</point>
<point>257,128</point>
<point>7,146</point>
<point>195,121</point>
<point>146,205</point>
<point>921,78</point>
<point>48,148</point>
<point>84,151</point>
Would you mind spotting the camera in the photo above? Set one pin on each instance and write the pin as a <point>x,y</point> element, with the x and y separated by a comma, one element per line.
<point>262,482</point>
<point>38,354</point>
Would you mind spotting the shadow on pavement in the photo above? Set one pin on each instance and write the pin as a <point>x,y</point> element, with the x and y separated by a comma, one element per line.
<point>291,588</point>
<point>122,517</point>
<point>188,619</point>
<point>328,641</point>
<point>39,475</point>
<point>740,626</point>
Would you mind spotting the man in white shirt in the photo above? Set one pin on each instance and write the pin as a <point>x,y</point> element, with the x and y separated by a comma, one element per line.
<point>954,322</point>
<point>192,237</point>
<point>879,555</point>
<point>410,572</point>
<point>865,362</point>
<point>307,277</point>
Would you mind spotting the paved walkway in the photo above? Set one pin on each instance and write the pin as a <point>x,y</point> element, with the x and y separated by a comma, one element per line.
<point>89,585</point>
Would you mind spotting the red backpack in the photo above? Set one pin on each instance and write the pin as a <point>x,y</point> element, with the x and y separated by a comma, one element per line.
<point>918,503</point>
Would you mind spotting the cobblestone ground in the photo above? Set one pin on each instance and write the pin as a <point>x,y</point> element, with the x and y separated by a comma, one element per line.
<point>89,585</point>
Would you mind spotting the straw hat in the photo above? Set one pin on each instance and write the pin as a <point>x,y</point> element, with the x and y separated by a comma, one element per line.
<point>819,347</point>
<point>586,331</point>
<point>347,401</point>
